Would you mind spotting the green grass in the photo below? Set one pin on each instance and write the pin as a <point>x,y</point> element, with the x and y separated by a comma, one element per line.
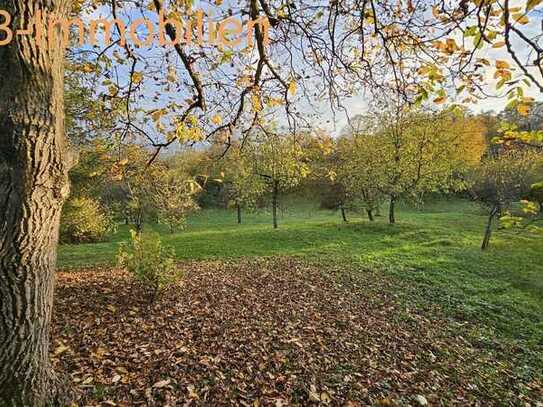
<point>432,253</point>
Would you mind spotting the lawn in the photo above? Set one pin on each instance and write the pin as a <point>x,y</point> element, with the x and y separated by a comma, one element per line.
<point>433,252</point>
<point>423,283</point>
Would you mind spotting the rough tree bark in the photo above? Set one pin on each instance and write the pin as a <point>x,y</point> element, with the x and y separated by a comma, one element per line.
<point>275,196</point>
<point>34,164</point>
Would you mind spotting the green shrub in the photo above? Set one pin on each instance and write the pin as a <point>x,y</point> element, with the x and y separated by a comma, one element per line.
<point>150,262</point>
<point>84,220</point>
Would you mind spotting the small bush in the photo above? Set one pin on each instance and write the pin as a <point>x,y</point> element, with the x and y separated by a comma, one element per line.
<point>84,220</point>
<point>150,262</point>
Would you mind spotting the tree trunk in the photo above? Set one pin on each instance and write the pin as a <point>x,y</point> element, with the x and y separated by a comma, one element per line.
<point>34,164</point>
<point>138,222</point>
<point>488,229</point>
<point>343,214</point>
<point>370,214</point>
<point>391,210</point>
<point>238,206</point>
<point>275,195</point>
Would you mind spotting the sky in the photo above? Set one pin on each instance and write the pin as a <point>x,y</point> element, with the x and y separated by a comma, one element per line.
<point>358,104</point>
<point>335,122</point>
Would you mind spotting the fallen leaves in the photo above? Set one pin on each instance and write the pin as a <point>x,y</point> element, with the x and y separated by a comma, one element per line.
<point>60,349</point>
<point>161,384</point>
<point>421,400</point>
<point>267,332</point>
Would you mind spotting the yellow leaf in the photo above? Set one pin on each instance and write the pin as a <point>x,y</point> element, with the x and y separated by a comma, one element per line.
<point>88,380</point>
<point>440,100</point>
<point>423,70</point>
<point>174,15</point>
<point>523,109</point>
<point>532,3</point>
<point>172,74</point>
<point>217,120</point>
<point>88,68</point>
<point>157,115</point>
<point>500,64</point>
<point>483,61</point>
<point>112,90</point>
<point>272,102</point>
<point>451,45</point>
<point>292,88</point>
<point>521,18</point>
<point>61,349</point>
<point>137,77</point>
<point>255,101</point>
<point>498,44</point>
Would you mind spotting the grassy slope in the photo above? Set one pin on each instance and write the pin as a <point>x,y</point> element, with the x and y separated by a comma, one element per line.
<point>434,255</point>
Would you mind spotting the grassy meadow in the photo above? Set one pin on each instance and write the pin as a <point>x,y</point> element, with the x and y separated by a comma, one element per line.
<point>432,255</point>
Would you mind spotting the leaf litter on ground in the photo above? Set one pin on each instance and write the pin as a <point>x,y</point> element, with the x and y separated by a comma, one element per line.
<point>269,332</point>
